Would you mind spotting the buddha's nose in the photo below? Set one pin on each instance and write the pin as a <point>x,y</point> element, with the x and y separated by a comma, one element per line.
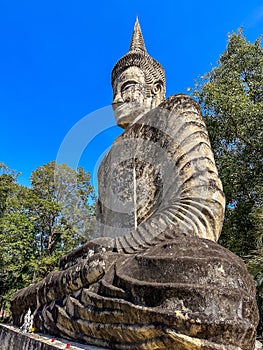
<point>117,99</point>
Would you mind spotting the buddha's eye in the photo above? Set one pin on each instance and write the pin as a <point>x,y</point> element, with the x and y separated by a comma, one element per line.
<point>129,84</point>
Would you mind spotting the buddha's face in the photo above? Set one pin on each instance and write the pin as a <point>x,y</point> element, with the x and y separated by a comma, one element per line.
<point>130,101</point>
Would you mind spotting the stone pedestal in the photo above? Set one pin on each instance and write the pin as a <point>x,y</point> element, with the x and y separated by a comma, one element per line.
<point>12,339</point>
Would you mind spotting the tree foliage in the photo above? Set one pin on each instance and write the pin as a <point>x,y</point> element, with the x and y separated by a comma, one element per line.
<point>232,99</point>
<point>58,193</point>
<point>35,227</point>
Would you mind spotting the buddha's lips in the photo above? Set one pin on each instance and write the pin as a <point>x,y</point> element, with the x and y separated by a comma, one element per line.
<point>116,105</point>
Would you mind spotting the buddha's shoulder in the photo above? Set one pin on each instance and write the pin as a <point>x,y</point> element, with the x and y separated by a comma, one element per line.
<point>180,101</point>
<point>176,109</point>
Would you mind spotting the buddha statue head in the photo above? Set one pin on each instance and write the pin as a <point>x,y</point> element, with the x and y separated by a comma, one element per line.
<point>138,82</point>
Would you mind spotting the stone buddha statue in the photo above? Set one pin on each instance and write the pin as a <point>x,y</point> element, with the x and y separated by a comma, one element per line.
<point>160,173</point>
<point>154,278</point>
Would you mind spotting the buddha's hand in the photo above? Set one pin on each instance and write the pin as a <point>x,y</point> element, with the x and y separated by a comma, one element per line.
<point>101,244</point>
<point>96,246</point>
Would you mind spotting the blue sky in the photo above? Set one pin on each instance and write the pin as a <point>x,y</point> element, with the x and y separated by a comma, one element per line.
<point>56,60</point>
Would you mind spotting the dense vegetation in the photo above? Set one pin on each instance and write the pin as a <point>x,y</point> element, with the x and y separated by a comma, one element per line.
<point>41,223</point>
<point>232,99</point>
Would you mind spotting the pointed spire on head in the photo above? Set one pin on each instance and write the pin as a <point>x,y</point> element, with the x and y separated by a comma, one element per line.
<point>137,41</point>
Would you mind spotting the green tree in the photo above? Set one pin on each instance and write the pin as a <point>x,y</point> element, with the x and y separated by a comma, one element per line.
<point>7,184</point>
<point>40,224</point>
<point>62,211</point>
<point>232,99</point>
<point>17,247</point>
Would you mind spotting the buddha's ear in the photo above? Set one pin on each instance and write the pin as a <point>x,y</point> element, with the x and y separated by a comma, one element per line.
<point>157,88</point>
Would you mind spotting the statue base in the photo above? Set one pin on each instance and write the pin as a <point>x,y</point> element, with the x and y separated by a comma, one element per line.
<point>11,338</point>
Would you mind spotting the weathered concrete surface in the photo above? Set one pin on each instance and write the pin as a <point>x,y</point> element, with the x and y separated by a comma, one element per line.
<point>187,295</point>
<point>258,346</point>
<point>12,339</point>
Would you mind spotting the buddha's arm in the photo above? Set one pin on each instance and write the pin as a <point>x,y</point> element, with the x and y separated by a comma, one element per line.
<point>189,216</point>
